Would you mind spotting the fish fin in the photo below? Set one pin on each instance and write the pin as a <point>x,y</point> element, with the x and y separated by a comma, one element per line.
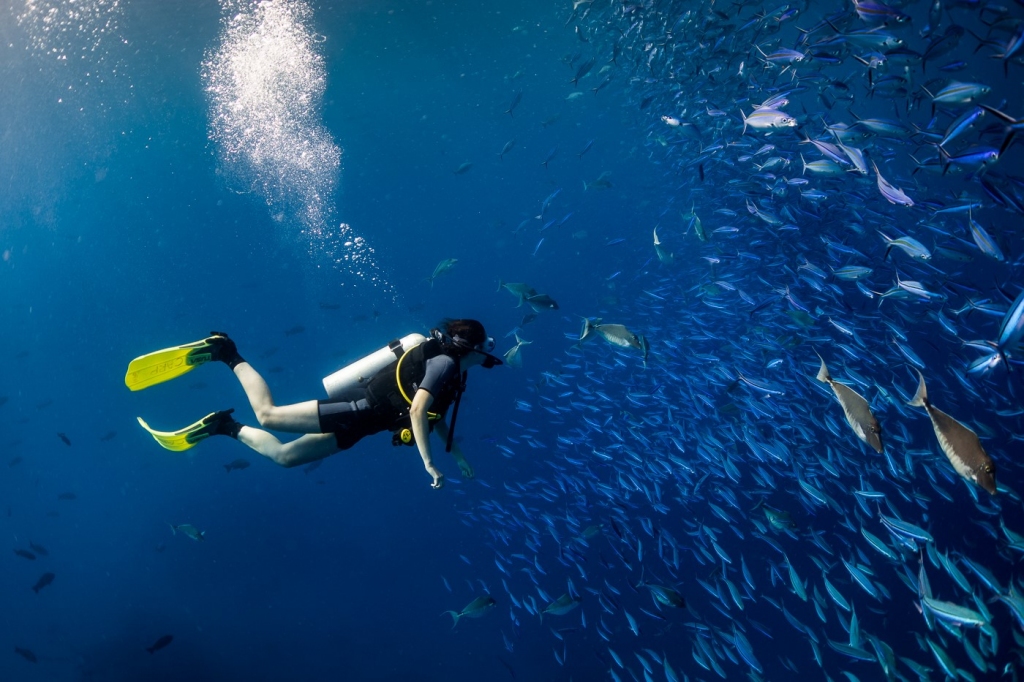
<point>174,530</point>
<point>921,397</point>
<point>586,331</point>
<point>455,617</point>
<point>995,112</point>
<point>500,284</point>
<point>823,375</point>
<point>888,246</point>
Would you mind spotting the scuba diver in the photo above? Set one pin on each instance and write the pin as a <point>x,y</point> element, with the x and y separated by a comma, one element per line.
<point>405,387</point>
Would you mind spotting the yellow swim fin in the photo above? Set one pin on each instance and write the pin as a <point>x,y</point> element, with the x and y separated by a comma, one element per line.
<point>163,365</point>
<point>186,438</point>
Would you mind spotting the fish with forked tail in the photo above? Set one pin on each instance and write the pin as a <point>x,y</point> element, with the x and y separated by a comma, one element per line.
<point>444,266</point>
<point>666,596</point>
<point>189,530</point>
<point>961,445</point>
<point>664,256</point>
<point>561,606</point>
<point>615,334</point>
<point>474,609</point>
<point>514,358</point>
<point>856,408</point>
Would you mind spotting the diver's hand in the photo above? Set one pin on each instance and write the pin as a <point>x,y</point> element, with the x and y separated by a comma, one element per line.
<point>438,478</point>
<point>465,468</point>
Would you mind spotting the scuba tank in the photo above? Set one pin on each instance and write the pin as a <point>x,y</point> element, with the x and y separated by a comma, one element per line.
<point>351,380</point>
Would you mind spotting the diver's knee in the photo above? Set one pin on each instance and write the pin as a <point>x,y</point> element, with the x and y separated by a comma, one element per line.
<point>288,458</point>
<point>268,418</point>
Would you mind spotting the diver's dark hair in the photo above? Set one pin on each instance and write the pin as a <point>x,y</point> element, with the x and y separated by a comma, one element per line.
<point>470,332</point>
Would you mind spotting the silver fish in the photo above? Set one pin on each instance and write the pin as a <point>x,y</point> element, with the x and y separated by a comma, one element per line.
<point>698,226</point>
<point>779,520</point>
<point>856,408</point>
<point>474,609</point>
<point>909,245</point>
<point>767,119</point>
<point>189,530</point>
<point>663,255</point>
<point>603,182</point>
<point>442,267</point>
<point>513,357</point>
<point>615,334</point>
<point>666,596</point>
<point>892,193</point>
<point>561,606</point>
<point>507,148</point>
<point>961,445</point>
<point>517,289</point>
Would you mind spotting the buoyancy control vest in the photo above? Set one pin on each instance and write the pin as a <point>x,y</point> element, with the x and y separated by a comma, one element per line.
<point>389,393</point>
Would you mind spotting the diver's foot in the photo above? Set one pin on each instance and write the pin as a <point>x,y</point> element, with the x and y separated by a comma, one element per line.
<point>223,349</point>
<point>222,424</point>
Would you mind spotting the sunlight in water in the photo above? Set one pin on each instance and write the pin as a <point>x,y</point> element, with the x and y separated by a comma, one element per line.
<point>265,82</point>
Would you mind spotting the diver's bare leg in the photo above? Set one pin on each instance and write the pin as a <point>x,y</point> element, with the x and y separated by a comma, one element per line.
<point>297,418</point>
<point>308,448</point>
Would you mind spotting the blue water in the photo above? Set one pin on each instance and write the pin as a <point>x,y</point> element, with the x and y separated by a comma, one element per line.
<point>127,225</point>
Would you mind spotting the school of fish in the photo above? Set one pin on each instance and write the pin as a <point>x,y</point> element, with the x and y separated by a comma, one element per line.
<point>842,221</point>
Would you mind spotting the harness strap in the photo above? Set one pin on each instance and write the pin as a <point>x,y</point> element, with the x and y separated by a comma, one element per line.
<point>396,347</point>
<point>455,413</point>
<point>401,389</point>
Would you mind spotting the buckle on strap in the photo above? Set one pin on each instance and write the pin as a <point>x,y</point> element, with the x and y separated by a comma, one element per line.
<point>396,347</point>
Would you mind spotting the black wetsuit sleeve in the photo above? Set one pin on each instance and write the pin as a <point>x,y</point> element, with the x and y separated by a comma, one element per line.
<point>439,371</point>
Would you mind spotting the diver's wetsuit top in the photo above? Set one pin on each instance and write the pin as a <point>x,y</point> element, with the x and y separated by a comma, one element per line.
<point>351,420</point>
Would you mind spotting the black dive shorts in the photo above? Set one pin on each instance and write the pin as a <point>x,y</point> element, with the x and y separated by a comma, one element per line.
<point>348,421</point>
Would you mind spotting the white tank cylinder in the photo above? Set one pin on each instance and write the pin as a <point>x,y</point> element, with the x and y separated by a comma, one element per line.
<point>349,381</point>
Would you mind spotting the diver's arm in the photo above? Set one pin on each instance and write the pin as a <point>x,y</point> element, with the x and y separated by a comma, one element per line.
<point>464,467</point>
<point>421,402</point>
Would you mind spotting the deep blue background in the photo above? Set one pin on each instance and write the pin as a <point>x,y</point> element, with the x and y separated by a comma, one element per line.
<point>121,238</point>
